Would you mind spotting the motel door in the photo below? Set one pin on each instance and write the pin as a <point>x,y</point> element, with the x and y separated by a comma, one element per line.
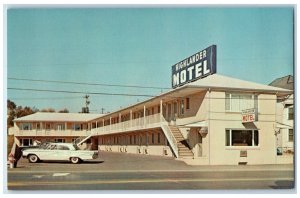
<point>169,113</point>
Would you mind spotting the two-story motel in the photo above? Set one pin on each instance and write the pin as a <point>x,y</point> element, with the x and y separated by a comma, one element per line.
<point>211,120</point>
<point>201,121</point>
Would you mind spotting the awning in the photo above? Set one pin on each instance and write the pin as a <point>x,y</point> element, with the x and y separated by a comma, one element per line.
<point>283,126</point>
<point>197,124</point>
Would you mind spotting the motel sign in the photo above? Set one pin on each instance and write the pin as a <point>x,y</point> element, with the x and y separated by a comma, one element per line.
<point>249,115</point>
<point>197,66</point>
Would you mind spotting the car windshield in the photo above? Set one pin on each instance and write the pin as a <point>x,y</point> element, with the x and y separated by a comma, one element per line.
<point>44,145</point>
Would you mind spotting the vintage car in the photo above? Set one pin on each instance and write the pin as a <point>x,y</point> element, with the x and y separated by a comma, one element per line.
<point>58,152</point>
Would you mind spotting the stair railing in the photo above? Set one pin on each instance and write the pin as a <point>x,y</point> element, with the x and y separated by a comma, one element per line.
<point>170,137</point>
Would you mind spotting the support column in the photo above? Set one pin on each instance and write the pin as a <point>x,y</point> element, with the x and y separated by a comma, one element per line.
<point>161,110</point>
<point>110,123</point>
<point>102,125</point>
<point>144,115</point>
<point>130,118</point>
<point>66,125</point>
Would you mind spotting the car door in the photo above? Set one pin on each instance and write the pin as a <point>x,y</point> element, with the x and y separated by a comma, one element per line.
<point>63,152</point>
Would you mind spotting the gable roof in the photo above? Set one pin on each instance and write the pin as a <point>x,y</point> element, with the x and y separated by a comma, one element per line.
<point>286,82</point>
<point>59,117</point>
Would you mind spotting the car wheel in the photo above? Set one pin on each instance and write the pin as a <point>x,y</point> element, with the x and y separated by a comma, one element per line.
<point>33,158</point>
<point>75,160</point>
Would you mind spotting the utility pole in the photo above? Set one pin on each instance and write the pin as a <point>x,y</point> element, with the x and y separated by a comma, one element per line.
<point>87,102</point>
<point>102,110</point>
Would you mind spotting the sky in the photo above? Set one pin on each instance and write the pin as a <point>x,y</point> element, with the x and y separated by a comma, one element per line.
<point>137,46</point>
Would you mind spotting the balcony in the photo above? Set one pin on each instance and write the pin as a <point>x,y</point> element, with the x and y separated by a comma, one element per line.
<point>151,121</point>
<point>49,133</point>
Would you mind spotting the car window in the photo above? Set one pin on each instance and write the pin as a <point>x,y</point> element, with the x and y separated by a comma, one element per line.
<point>61,147</point>
<point>53,147</point>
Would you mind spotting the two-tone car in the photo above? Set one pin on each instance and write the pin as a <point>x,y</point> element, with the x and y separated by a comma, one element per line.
<point>58,152</point>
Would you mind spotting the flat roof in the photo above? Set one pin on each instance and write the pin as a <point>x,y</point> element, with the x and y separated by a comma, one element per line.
<point>56,117</point>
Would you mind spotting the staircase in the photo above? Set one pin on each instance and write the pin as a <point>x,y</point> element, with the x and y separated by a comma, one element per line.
<point>183,148</point>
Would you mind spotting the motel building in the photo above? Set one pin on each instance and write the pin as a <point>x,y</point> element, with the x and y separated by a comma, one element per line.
<point>209,120</point>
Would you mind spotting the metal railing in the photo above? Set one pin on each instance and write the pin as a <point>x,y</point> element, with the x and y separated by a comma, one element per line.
<point>52,132</point>
<point>151,121</point>
<point>171,139</point>
<point>130,125</point>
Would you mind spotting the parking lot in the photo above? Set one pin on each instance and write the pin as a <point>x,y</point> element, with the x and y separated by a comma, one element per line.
<point>121,171</point>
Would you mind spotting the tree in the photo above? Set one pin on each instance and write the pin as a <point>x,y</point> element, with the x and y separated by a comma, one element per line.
<point>15,111</point>
<point>65,110</point>
<point>50,110</point>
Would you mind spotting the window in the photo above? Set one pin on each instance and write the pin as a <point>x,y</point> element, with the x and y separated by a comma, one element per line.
<point>26,126</point>
<point>237,102</point>
<point>60,127</point>
<point>291,135</point>
<point>291,113</point>
<point>59,140</point>
<point>158,109</point>
<point>182,107</point>
<point>48,126</point>
<point>38,126</point>
<point>26,142</point>
<point>61,147</point>
<point>241,138</point>
<point>187,103</point>
<point>77,127</point>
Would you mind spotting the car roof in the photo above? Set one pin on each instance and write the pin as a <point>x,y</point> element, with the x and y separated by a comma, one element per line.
<point>63,144</point>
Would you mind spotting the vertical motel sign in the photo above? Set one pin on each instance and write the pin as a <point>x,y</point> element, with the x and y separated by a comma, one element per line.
<point>197,66</point>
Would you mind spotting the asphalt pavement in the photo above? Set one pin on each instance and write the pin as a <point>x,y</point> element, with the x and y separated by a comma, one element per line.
<point>121,171</point>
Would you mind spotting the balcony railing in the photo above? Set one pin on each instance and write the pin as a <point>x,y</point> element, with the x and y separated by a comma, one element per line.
<point>150,121</point>
<point>45,132</point>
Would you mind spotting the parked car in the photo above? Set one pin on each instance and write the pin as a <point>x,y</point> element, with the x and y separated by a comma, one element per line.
<point>58,152</point>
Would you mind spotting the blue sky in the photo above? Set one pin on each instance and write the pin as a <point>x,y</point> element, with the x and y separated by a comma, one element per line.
<point>138,47</point>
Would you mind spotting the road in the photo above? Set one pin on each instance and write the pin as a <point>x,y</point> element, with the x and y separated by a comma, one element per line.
<point>150,180</point>
<point>131,172</point>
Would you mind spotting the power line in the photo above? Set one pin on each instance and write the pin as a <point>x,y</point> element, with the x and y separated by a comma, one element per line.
<point>83,83</point>
<point>80,92</point>
<point>120,94</point>
<point>50,98</point>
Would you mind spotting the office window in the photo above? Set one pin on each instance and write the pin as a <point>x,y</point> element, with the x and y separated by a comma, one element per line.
<point>291,135</point>
<point>291,113</point>
<point>241,138</point>
<point>187,103</point>
<point>237,102</point>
